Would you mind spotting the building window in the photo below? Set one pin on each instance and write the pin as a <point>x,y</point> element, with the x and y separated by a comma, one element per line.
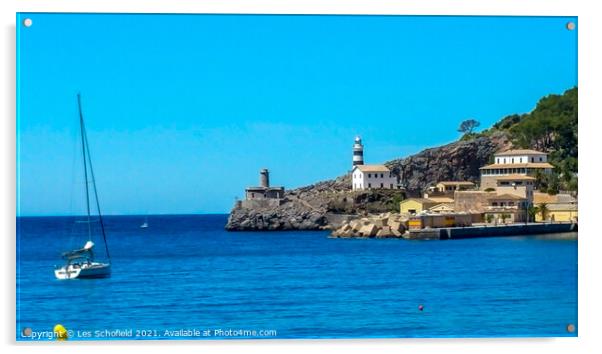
<point>504,160</point>
<point>520,160</point>
<point>382,175</point>
<point>369,185</point>
<point>540,159</point>
<point>532,159</point>
<point>513,160</point>
<point>382,185</point>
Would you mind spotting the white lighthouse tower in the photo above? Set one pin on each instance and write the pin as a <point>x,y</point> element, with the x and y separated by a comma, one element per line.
<point>358,152</point>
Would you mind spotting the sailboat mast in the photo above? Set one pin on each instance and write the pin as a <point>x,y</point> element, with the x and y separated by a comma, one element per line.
<point>87,150</point>
<point>83,132</point>
<point>102,224</point>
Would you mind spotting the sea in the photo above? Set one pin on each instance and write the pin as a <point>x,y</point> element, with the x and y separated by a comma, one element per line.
<point>185,277</point>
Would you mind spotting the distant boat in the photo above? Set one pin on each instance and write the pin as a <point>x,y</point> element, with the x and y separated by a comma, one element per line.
<point>145,223</point>
<point>80,263</point>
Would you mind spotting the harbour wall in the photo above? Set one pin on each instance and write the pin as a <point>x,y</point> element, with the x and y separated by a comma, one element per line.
<point>492,231</point>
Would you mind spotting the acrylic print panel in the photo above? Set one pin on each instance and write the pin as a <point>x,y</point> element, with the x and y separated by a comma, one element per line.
<point>261,177</point>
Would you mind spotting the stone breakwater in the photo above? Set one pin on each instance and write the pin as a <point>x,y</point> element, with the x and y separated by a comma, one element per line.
<point>387,225</point>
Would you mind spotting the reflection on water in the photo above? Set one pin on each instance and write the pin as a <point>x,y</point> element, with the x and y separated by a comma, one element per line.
<point>571,236</point>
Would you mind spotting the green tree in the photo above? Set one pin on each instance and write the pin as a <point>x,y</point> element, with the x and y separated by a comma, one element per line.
<point>543,210</point>
<point>532,212</point>
<point>550,127</point>
<point>468,126</point>
<point>394,204</point>
<point>573,184</point>
<point>552,181</point>
<point>508,121</point>
<point>489,218</point>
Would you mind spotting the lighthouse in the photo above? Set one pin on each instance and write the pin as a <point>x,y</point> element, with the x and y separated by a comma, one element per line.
<point>358,152</point>
<point>264,178</point>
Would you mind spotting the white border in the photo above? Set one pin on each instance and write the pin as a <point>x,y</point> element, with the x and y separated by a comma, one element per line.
<point>590,59</point>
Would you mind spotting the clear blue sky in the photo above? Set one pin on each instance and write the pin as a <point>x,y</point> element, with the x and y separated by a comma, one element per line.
<point>183,110</point>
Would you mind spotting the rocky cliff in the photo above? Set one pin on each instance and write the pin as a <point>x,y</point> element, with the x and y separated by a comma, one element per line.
<point>329,204</point>
<point>458,161</point>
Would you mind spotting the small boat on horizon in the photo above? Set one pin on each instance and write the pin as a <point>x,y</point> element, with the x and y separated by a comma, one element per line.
<point>144,225</point>
<point>81,263</point>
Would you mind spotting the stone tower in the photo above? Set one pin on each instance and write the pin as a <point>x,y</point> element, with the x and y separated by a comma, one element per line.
<point>358,152</point>
<point>264,178</point>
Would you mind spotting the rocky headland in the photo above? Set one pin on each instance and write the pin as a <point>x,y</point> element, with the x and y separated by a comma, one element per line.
<point>331,204</point>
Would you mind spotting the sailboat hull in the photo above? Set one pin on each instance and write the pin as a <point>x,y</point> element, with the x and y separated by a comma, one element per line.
<point>85,271</point>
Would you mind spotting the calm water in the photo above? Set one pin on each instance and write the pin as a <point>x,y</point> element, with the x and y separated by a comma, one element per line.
<point>186,272</point>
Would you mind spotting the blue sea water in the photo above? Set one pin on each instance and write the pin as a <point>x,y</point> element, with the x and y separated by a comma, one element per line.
<point>185,277</point>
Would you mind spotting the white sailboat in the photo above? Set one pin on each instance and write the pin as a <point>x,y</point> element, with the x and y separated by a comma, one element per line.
<point>144,225</point>
<point>80,263</point>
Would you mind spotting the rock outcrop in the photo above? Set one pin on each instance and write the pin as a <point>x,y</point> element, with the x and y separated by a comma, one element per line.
<point>291,215</point>
<point>328,204</point>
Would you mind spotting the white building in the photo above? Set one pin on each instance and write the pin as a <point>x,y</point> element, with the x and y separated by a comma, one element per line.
<point>520,156</point>
<point>514,162</point>
<point>372,177</point>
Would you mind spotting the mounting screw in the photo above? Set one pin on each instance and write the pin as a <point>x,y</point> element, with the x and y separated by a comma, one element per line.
<point>27,22</point>
<point>570,25</point>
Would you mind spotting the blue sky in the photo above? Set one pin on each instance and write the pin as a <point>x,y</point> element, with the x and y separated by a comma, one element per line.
<point>183,110</point>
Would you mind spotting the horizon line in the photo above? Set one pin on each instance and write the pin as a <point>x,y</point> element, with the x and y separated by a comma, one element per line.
<point>105,215</point>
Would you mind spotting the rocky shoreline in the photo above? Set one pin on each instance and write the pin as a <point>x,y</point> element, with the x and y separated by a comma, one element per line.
<point>291,218</point>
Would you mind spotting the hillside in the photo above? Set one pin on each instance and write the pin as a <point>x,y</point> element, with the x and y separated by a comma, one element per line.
<point>551,127</point>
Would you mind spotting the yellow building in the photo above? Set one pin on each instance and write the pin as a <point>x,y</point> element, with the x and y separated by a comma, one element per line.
<point>439,220</point>
<point>565,212</point>
<point>416,205</point>
<point>560,207</point>
<point>434,204</point>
